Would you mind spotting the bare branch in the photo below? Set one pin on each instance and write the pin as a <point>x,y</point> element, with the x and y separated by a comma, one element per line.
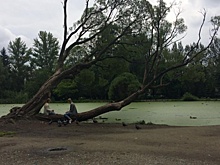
<point>85,29</point>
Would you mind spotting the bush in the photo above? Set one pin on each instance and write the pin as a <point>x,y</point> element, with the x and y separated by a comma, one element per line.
<point>122,86</point>
<point>21,97</point>
<point>6,134</point>
<point>189,97</point>
<point>11,97</point>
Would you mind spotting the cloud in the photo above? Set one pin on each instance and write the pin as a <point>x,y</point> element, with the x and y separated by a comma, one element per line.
<point>208,4</point>
<point>192,15</point>
<point>6,37</point>
<point>26,18</point>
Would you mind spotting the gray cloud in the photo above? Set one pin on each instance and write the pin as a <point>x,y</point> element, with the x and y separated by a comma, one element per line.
<point>6,36</point>
<point>209,3</point>
<point>26,18</point>
<point>22,18</point>
<point>194,18</point>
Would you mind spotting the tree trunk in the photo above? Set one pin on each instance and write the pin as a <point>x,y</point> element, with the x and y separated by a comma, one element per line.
<point>34,105</point>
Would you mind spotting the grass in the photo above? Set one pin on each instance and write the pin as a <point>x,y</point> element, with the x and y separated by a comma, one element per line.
<point>2,133</point>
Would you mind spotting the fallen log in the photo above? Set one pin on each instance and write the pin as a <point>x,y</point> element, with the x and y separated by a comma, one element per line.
<point>48,118</point>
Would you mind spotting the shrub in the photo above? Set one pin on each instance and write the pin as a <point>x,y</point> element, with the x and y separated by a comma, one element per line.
<point>189,97</point>
<point>11,97</point>
<point>122,86</point>
<point>6,134</point>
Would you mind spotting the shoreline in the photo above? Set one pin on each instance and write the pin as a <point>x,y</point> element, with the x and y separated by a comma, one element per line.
<point>36,142</point>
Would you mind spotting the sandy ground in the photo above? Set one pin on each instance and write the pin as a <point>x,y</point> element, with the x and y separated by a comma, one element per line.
<point>38,143</point>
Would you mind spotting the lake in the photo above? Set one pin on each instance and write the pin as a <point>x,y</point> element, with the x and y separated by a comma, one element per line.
<point>170,112</point>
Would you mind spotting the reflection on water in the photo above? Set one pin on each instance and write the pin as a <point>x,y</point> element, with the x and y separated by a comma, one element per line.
<point>170,113</point>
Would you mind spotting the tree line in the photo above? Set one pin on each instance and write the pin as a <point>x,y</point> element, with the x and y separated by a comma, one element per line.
<point>23,70</point>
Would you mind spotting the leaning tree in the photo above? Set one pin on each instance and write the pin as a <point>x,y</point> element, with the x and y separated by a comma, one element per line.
<point>117,19</point>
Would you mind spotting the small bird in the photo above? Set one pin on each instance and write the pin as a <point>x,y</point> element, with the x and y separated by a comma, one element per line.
<point>192,117</point>
<point>94,120</point>
<point>59,123</point>
<point>65,122</point>
<point>50,122</point>
<point>123,124</point>
<point>137,126</point>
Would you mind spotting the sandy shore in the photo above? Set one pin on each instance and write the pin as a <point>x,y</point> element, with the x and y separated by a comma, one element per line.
<point>38,143</point>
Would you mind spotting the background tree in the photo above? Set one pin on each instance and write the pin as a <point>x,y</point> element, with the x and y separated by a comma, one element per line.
<point>4,74</point>
<point>214,63</point>
<point>85,80</point>
<point>19,57</point>
<point>193,79</point>
<point>43,62</point>
<point>122,86</point>
<point>66,89</point>
<point>45,51</point>
<point>2,79</point>
<point>4,57</point>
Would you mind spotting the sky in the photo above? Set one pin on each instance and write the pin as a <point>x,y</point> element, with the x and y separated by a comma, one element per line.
<point>26,18</point>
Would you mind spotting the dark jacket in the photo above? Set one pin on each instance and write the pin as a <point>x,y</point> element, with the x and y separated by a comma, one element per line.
<point>73,109</point>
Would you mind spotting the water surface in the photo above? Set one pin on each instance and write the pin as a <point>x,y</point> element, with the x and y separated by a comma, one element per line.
<point>171,113</point>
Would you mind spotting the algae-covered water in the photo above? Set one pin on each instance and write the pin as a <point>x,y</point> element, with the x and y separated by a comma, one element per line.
<point>170,113</point>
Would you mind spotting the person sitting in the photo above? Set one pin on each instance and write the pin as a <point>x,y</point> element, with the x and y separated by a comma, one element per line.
<point>72,112</point>
<point>47,109</point>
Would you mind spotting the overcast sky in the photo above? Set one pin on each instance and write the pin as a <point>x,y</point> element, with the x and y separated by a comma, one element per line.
<point>25,18</point>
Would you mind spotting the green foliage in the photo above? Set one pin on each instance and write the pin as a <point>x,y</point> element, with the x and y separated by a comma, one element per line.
<point>45,51</point>
<point>76,55</point>
<point>189,97</point>
<point>10,97</point>
<point>66,89</point>
<point>111,68</point>
<point>86,77</point>
<point>141,122</point>
<point>2,76</point>
<point>4,57</point>
<point>21,97</point>
<point>2,133</point>
<point>36,80</point>
<point>213,61</point>
<point>19,58</point>
<point>85,81</point>
<point>122,86</point>
<point>150,123</point>
<point>4,72</point>
<point>43,61</point>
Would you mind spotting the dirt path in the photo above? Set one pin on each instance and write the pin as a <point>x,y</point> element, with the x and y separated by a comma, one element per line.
<point>37,143</point>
